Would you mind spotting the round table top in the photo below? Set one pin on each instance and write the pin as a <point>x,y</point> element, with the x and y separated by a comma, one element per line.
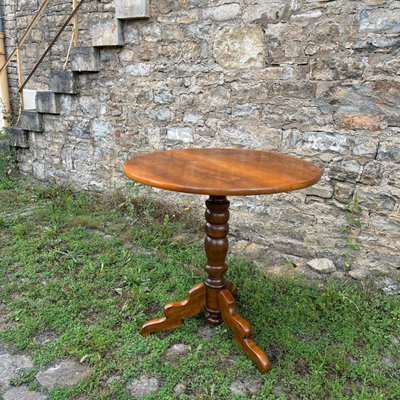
<point>222,172</point>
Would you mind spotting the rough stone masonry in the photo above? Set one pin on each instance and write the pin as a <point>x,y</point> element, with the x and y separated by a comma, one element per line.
<point>316,79</point>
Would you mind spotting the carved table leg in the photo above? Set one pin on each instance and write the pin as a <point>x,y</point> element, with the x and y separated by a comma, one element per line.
<point>175,312</point>
<point>216,293</point>
<point>241,330</point>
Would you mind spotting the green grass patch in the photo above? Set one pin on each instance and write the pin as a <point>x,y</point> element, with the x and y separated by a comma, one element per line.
<point>88,271</point>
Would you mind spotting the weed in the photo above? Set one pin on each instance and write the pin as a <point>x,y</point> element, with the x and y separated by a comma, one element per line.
<point>19,229</point>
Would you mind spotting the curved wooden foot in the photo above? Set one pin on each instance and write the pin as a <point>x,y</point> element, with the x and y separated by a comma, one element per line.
<point>175,312</point>
<point>241,330</point>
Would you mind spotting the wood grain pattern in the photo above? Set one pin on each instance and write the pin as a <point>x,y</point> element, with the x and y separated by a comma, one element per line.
<point>175,312</point>
<point>222,172</point>
<point>216,248</point>
<point>241,330</point>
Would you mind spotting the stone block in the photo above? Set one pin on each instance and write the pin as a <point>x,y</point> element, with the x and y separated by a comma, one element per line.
<point>63,82</point>
<point>101,129</point>
<point>261,10</point>
<point>64,374</point>
<point>348,170</point>
<point>23,393</point>
<point>180,134</point>
<point>358,120</point>
<point>338,68</point>
<point>47,102</point>
<point>31,121</point>
<point>29,99</point>
<point>372,198</point>
<point>322,265</point>
<point>377,41</point>
<point>389,151</point>
<point>223,12</point>
<point>85,59</point>
<point>242,47</point>
<point>79,132</point>
<point>322,190</point>
<point>20,137</point>
<point>365,147</point>
<point>379,20</point>
<point>343,192</point>
<point>132,9</point>
<point>107,33</point>
<point>317,141</point>
<point>143,386</point>
<point>372,173</point>
<point>11,366</point>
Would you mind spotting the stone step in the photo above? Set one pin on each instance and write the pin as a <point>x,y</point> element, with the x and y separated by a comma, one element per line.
<point>31,121</point>
<point>107,33</point>
<point>47,102</point>
<point>132,9</point>
<point>20,137</point>
<point>29,97</point>
<point>85,59</point>
<point>63,82</point>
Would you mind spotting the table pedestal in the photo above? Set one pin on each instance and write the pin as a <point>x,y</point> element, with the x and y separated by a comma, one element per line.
<point>215,295</point>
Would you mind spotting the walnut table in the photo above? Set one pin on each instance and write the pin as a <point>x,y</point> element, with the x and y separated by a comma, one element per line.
<point>218,173</point>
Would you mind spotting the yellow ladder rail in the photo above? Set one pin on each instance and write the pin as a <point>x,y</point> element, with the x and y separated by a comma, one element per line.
<point>60,31</point>
<point>26,33</point>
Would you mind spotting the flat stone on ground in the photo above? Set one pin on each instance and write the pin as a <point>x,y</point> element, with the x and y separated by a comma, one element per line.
<point>180,388</point>
<point>23,393</point>
<point>246,386</point>
<point>64,374</point>
<point>142,386</point>
<point>322,265</point>
<point>205,331</point>
<point>176,351</point>
<point>10,366</point>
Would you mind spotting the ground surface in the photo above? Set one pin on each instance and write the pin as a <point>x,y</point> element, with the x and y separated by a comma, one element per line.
<point>79,275</point>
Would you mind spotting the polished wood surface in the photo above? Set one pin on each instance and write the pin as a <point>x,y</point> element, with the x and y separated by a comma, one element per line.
<point>241,330</point>
<point>222,172</point>
<point>175,312</point>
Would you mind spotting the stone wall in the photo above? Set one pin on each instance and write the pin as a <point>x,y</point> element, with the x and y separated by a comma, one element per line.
<point>316,79</point>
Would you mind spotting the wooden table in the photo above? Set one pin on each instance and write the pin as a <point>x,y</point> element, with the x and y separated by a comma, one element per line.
<point>218,173</point>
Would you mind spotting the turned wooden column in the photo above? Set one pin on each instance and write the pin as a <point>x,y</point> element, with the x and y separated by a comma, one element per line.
<point>216,247</point>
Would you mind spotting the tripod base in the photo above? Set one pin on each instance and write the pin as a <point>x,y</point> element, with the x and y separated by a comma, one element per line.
<point>195,302</point>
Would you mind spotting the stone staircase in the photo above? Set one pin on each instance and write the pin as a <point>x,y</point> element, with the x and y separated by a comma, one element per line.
<point>38,103</point>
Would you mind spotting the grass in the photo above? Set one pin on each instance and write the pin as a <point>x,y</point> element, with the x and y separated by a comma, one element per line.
<point>88,271</point>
